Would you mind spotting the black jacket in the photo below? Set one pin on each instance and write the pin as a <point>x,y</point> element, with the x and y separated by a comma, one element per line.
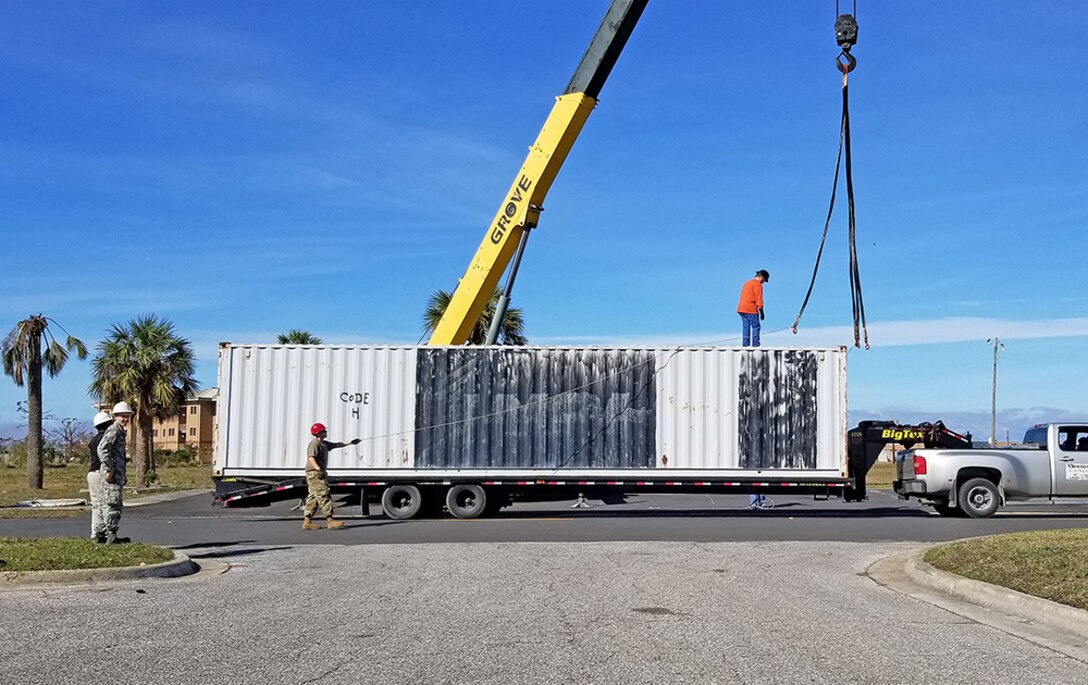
<point>95,462</point>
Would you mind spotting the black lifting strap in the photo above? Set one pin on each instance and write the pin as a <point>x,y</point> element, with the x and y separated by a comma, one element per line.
<point>846,33</point>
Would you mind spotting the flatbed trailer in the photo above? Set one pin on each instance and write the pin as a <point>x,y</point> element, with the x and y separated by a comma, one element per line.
<point>504,492</point>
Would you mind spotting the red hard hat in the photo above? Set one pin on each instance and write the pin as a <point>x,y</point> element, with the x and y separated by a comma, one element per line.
<point>317,428</point>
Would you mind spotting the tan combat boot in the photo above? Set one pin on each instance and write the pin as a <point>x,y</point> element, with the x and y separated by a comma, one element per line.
<point>308,524</point>
<point>333,523</point>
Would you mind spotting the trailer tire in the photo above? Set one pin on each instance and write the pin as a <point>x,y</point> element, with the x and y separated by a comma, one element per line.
<point>978,498</point>
<point>402,502</point>
<point>466,501</point>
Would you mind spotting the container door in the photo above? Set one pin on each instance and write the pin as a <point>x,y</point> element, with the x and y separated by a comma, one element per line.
<point>1071,461</point>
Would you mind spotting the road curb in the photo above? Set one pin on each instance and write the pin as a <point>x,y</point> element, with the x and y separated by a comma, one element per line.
<point>180,565</point>
<point>995,597</point>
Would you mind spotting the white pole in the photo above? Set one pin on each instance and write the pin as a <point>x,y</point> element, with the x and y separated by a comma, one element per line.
<point>993,401</point>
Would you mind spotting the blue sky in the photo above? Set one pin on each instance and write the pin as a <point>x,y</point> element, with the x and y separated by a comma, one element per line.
<point>246,168</point>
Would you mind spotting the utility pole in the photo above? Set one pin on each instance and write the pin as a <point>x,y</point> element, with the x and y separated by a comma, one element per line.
<point>996,344</point>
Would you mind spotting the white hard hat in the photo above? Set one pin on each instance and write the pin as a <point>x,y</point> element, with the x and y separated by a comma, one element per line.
<point>122,408</point>
<point>101,419</point>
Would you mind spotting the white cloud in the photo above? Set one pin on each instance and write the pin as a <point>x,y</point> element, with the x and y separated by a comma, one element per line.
<point>882,334</point>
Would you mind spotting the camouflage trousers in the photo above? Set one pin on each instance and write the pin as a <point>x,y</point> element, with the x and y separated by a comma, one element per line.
<point>318,496</point>
<point>110,504</point>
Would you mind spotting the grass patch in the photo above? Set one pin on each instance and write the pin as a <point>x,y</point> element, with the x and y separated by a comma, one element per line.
<point>881,475</point>
<point>55,554</point>
<point>1052,564</point>
<point>70,482</point>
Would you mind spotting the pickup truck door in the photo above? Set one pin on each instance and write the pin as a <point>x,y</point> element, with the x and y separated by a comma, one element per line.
<point>1071,461</point>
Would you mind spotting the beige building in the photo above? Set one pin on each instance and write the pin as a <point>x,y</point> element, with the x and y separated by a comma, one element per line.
<point>192,427</point>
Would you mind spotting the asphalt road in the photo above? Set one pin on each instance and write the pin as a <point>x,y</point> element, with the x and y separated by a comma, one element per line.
<point>695,518</point>
<point>664,589</point>
<point>526,613</point>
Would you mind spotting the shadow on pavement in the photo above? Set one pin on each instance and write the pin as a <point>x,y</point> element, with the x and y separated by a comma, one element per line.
<point>236,552</point>
<point>777,512</point>
<point>197,545</point>
<point>354,522</point>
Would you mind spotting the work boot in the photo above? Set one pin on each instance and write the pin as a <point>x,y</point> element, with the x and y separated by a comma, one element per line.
<point>112,539</point>
<point>100,539</point>
<point>333,523</point>
<point>308,524</point>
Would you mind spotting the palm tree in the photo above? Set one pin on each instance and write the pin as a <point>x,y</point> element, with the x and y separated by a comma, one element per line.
<point>297,337</point>
<point>513,326</point>
<point>146,363</point>
<point>23,361</point>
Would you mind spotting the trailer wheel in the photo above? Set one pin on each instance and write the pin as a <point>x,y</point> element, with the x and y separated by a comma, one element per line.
<point>401,502</point>
<point>466,501</point>
<point>978,498</point>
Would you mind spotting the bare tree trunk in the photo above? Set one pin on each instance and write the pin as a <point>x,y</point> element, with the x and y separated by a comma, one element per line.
<point>144,420</point>
<point>149,448</point>
<point>34,476</point>
<point>132,450</point>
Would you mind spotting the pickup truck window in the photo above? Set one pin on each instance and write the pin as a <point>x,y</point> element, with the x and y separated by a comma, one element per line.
<point>1073,438</point>
<point>1036,436</point>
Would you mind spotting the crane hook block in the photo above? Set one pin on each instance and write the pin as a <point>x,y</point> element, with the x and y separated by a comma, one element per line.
<point>846,31</point>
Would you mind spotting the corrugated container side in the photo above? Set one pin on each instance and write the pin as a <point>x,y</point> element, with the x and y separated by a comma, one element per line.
<point>496,409</point>
<point>750,408</point>
<point>274,393</point>
<point>697,422</point>
<point>507,408</point>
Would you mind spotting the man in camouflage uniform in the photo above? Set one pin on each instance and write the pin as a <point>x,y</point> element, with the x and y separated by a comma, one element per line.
<point>317,483</point>
<point>111,452</point>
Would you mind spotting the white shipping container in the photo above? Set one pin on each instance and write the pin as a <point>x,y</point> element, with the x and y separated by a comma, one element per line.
<point>681,413</point>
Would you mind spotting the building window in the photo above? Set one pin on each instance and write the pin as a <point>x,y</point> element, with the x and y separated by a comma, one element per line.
<point>192,409</point>
<point>171,432</point>
<point>192,431</point>
<point>155,433</point>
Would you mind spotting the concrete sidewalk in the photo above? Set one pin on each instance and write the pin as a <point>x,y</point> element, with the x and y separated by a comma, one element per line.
<point>1050,624</point>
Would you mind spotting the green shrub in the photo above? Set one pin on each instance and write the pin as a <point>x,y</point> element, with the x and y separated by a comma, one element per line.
<point>181,457</point>
<point>17,457</point>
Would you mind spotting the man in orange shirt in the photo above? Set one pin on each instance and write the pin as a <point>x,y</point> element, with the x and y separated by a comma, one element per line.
<point>750,307</point>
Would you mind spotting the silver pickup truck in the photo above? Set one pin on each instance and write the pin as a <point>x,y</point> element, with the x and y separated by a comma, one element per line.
<point>1052,462</point>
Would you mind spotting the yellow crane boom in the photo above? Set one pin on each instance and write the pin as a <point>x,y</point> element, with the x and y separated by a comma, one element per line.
<point>521,206</point>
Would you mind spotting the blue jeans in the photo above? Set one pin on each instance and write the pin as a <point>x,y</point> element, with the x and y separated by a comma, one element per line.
<point>757,500</point>
<point>751,329</point>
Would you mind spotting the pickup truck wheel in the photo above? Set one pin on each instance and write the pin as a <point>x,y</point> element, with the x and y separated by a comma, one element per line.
<point>466,501</point>
<point>978,498</point>
<point>401,502</point>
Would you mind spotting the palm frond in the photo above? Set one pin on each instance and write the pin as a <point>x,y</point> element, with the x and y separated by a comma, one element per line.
<point>54,358</point>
